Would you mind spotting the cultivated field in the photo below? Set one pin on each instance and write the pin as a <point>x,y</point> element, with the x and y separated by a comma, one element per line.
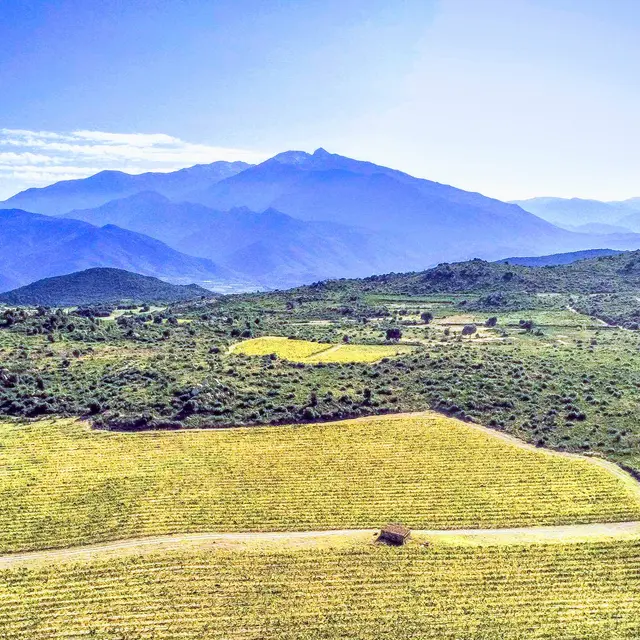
<point>63,484</point>
<point>306,351</point>
<point>560,592</point>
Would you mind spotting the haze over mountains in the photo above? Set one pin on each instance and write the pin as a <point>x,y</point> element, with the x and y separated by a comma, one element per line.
<point>95,190</point>
<point>293,219</point>
<point>270,247</point>
<point>587,215</point>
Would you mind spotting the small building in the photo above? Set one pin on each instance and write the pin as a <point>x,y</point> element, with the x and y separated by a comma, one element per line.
<point>395,534</point>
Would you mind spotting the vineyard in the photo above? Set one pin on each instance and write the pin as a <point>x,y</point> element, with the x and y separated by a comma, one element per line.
<point>565,592</point>
<point>306,351</point>
<point>63,484</point>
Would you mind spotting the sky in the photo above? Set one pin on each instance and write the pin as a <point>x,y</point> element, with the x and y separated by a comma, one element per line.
<point>511,98</point>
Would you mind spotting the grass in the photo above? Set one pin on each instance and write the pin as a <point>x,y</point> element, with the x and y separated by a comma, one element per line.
<point>306,351</point>
<point>62,484</point>
<point>564,592</point>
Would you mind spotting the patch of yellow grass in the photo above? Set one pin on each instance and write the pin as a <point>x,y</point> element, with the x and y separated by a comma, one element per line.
<point>282,347</point>
<point>62,484</point>
<point>306,351</point>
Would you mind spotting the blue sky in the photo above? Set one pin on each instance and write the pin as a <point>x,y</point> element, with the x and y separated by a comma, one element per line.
<point>513,98</point>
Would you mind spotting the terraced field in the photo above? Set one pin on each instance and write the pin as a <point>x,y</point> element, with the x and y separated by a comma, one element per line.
<point>307,351</point>
<point>62,484</point>
<point>560,592</point>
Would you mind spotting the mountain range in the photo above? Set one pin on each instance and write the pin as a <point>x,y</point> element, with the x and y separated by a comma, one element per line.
<point>269,247</point>
<point>294,219</point>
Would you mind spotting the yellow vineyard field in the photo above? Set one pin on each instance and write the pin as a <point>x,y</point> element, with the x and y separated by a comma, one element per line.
<point>62,484</point>
<point>559,592</point>
<point>305,351</point>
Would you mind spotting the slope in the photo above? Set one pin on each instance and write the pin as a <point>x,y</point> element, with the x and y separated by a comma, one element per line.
<point>604,274</point>
<point>423,469</point>
<point>100,285</point>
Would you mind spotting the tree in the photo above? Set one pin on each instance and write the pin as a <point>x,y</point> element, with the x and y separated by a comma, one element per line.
<point>426,316</point>
<point>491,322</point>
<point>527,325</point>
<point>468,329</point>
<point>394,333</point>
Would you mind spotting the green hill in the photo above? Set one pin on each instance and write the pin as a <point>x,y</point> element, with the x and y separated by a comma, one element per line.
<point>604,274</point>
<point>100,285</point>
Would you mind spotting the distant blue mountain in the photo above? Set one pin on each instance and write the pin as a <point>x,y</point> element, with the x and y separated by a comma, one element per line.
<point>299,217</point>
<point>102,187</point>
<point>34,246</point>
<point>270,247</point>
<point>574,212</point>
<point>559,258</point>
<point>433,221</point>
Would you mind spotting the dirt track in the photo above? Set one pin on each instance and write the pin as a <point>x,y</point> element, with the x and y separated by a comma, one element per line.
<point>562,534</point>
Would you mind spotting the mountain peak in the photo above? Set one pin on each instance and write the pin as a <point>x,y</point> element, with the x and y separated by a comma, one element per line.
<point>292,157</point>
<point>321,153</point>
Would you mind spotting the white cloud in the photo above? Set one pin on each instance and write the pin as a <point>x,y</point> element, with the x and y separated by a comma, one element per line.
<point>37,158</point>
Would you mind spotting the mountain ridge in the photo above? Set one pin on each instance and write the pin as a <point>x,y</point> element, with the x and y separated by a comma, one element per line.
<point>345,218</point>
<point>299,251</point>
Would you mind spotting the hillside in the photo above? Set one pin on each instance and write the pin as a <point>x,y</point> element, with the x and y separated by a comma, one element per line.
<point>604,274</point>
<point>269,247</point>
<point>559,258</point>
<point>34,246</point>
<point>102,187</point>
<point>100,285</point>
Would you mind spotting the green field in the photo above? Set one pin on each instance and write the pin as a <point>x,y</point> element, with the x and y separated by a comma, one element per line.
<point>62,484</point>
<point>305,351</point>
<point>559,592</point>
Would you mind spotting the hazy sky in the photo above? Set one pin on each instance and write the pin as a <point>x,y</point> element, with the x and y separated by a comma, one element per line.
<point>512,98</point>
